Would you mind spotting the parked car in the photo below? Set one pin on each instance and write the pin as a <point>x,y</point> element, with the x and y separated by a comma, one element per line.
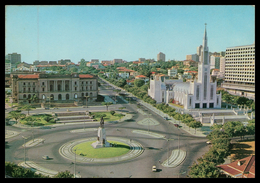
<point>208,142</point>
<point>154,169</point>
<point>165,118</point>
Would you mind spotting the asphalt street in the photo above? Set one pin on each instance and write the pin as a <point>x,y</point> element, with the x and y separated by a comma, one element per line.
<point>141,167</point>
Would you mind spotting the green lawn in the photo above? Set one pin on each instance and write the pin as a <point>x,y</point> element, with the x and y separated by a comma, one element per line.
<point>108,117</point>
<point>85,149</point>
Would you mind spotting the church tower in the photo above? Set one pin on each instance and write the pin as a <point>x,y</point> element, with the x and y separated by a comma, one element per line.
<point>204,69</point>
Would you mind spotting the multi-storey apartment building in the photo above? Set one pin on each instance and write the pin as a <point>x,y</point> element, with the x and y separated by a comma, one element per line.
<point>161,56</point>
<point>240,71</point>
<point>14,57</point>
<point>64,88</point>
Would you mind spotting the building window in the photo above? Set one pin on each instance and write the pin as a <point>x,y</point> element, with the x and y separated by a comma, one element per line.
<point>75,82</point>
<point>190,101</point>
<point>43,89</point>
<point>24,96</point>
<point>90,82</point>
<point>211,105</point>
<point>86,82</point>
<point>90,87</point>
<point>67,96</point>
<point>75,88</point>
<point>198,92</point>
<point>42,83</point>
<point>86,88</point>
<point>197,105</point>
<point>204,105</point>
<point>75,95</point>
<point>43,97</point>
<point>29,89</point>
<point>211,92</point>
<point>33,89</point>
<point>24,90</point>
<point>217,100</point>
<point>205,86</point>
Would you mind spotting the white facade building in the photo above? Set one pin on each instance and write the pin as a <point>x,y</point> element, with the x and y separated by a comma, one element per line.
<point>200,93</point>
<point>172,72</point>
<point>240,71</point>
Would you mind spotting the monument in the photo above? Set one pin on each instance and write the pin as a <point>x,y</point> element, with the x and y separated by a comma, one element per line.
<point>101,138</point>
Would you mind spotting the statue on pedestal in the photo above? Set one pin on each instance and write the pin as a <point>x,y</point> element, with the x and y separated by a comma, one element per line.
<point>101,136</point>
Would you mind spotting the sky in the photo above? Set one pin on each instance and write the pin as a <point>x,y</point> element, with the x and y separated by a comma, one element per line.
<point>107,32</point>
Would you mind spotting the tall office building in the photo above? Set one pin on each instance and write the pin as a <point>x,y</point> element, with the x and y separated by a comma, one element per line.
<point>161,56</point>
<point>240,71</point>
<point>14,57</point>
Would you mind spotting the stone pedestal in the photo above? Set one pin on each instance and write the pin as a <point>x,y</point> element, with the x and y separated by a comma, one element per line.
<point>101,139</point>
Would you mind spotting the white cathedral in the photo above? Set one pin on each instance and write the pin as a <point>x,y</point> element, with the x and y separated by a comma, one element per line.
<point>200,93</point>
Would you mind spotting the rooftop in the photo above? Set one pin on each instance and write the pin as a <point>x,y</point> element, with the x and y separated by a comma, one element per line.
<point>28,76</point>
<point>241,168</point>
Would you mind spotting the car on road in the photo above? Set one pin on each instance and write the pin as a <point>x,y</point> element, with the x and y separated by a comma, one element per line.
<point>46,157</point>
<point>165,118</point>
<point>176,125</point>
<point>154,169</point>
<point>208,142</point>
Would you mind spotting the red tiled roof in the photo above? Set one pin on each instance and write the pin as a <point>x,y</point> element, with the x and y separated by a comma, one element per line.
<point>50,65</point>
<point>85,76</point>
<point>247,167</point>
<point>140,76</point>
<point>125,70</point>
<point>28,76</point>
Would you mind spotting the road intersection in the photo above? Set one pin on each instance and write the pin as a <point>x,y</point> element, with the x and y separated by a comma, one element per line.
<point>155,147</point>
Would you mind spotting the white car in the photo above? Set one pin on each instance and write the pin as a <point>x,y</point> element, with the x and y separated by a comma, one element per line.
<point>154,169</point>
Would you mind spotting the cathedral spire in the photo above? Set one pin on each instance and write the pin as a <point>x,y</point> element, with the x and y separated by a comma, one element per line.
<point>205,38</point>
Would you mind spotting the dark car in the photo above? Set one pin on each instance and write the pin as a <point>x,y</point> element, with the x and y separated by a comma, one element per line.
<point>176,125</point>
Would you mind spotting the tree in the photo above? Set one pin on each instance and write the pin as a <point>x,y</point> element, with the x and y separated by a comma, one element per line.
<point>107,104</point>
<point>15,171</point>
<point>250,127</point>
<point>16,115</point>
<point>65,174</point>
<point>204,169</point>
<point>27,107</point>
<point>195,124</point>
<point>139,82</point>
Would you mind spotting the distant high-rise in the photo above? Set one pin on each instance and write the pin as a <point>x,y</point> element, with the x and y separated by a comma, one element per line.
<point>14,57</point>
<point>161,56</point>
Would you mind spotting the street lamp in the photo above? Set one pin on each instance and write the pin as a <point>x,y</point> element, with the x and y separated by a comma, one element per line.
<point>168,148</point>
<point>25,138</point>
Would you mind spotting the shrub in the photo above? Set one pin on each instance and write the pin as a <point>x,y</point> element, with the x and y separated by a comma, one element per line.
<point>112,112</point>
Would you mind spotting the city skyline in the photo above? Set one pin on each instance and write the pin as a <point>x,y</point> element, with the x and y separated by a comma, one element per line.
<point>123,32</point>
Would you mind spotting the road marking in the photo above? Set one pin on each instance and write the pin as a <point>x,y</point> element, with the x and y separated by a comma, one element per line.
<point>156,135</point>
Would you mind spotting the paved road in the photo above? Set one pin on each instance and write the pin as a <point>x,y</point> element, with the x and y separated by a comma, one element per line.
<point>155,148</point>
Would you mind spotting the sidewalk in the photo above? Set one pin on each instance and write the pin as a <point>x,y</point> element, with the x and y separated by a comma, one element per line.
<point>201,132</point>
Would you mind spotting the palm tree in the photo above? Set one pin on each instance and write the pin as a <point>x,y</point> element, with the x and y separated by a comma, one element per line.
<point>107,104</point>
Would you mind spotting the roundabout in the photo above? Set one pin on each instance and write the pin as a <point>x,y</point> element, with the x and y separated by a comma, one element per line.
<point>127,149</point>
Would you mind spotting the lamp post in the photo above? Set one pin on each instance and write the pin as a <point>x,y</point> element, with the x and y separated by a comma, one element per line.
<point>25,138</point>
<point>168,148</point>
